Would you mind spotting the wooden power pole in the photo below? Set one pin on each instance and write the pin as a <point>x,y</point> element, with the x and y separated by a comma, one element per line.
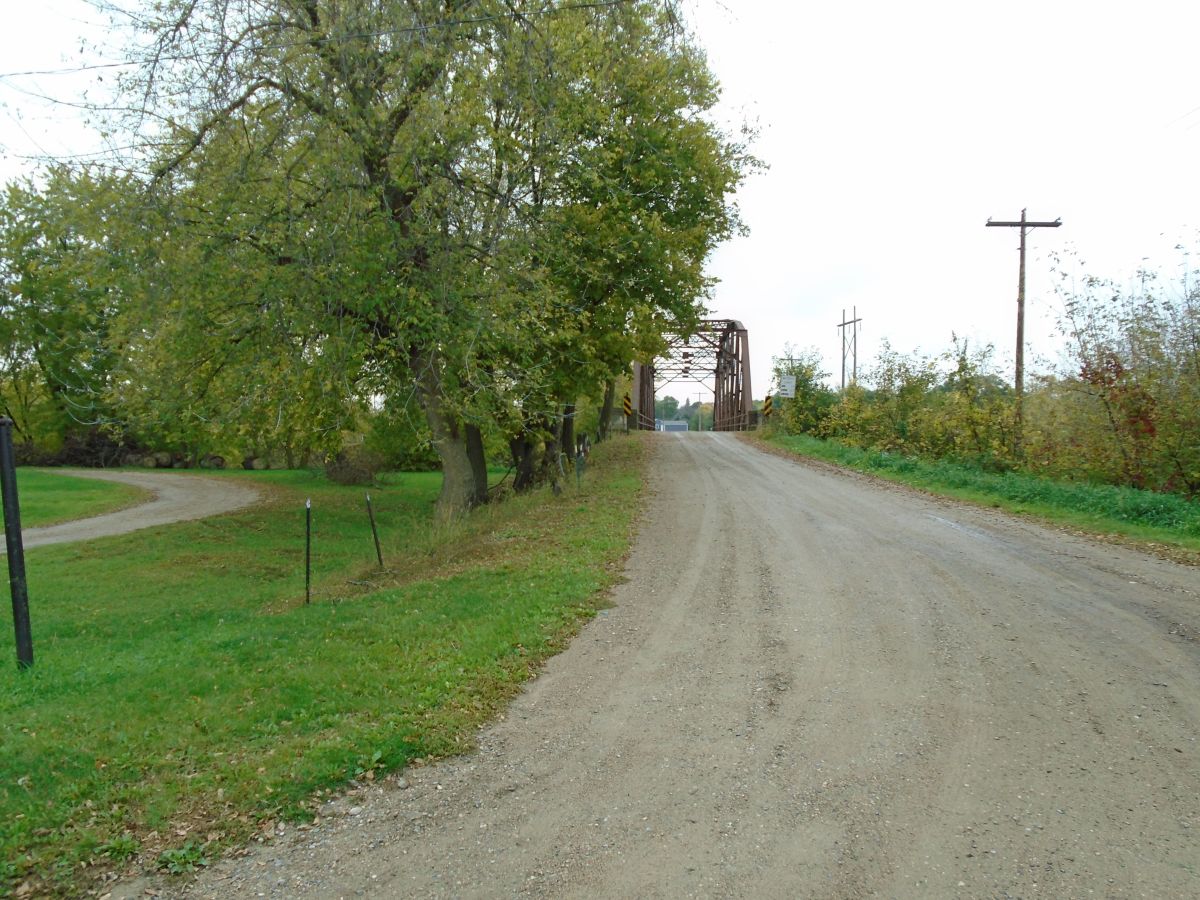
<point>1024,225</point>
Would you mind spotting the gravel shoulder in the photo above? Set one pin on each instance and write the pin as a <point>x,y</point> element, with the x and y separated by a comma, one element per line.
<point>176,498</point>
<point>808,687</point>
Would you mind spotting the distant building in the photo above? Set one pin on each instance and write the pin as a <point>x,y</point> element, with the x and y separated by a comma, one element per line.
<point>670,425</point>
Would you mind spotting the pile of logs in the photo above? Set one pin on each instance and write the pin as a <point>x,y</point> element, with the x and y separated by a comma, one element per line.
<point>164,460</point>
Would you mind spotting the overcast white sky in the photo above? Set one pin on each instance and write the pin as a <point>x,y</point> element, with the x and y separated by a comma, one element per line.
<point>895,130</point>
<point>892,131</point>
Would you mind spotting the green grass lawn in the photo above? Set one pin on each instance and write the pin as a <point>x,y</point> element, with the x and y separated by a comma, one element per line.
<point>1164,520</point>
<point>183,693</point>
<point>48,497</point>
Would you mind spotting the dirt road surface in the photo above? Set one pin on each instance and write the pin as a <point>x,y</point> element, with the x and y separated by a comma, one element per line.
<point>812,685</point>
<point>177,498</point>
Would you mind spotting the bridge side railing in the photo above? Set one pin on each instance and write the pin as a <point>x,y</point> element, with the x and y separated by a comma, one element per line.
<point>747,421</point>
<point>639,421</point>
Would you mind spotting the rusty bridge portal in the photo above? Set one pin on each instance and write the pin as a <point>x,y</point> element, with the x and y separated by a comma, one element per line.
<point>718,349</point>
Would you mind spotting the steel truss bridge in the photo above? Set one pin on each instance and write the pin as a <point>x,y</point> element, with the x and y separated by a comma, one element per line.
<point>718,349</point>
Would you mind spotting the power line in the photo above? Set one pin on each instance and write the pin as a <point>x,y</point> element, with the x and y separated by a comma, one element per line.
<point>308,42</point>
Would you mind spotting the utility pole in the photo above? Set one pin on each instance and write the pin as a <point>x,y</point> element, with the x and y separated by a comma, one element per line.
<point>1024,225</point>
<point>850,344</point>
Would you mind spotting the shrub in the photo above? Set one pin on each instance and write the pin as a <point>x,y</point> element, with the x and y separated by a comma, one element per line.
<point>400,440</point>
<point>85,448</point>
<point>354,465</point>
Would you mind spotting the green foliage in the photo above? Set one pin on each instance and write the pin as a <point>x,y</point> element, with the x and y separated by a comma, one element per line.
<point>120,849</point>
<point>888,416</point>
<point>184,859</point>
<point>354,466</point>
<point>1128,409</point>
<point>666,408</point>
<point>221,352</point>
<point>399,436</point>
<point>1124,412</point>
<point>806,412</point>
<point>971,416</point>
<point>67,253</point>
<point>486,217</point>
<point>699,415</point>
<point>953,406</point>
<point>189,688</point>
<point>587,416</point>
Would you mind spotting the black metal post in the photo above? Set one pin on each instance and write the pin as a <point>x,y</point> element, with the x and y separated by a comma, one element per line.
<point>307,551</point>
<point>16,548</point>
<point>374,531</point>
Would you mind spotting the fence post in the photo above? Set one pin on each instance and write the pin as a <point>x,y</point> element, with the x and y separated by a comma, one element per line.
<point>374,531</point>
<point>15,546</point>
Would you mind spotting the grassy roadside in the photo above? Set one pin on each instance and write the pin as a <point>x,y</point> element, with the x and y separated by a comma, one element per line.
<point>1166,524</point>
<point>183,694</point>
<point>49,497</point>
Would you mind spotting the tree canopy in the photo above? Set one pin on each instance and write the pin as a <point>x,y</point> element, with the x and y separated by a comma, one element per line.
<point>481,209</point>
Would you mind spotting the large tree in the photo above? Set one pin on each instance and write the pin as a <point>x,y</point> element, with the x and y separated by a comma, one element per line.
<point>488,205</point>
<point>69,249</point>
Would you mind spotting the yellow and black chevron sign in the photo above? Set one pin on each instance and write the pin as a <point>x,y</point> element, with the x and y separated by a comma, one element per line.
<point>628,405</point>
<point>766,410</point>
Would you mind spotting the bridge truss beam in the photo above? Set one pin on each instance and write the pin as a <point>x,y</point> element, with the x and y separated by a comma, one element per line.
<point>718,349</point>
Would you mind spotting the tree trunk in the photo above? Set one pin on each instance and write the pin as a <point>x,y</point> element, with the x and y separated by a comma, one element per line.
<point>478,459</point>
<point>567,441</point>
<point>606,408</point>
<point>521,448</point>
<point>449,439</point>
<point>549,468</point>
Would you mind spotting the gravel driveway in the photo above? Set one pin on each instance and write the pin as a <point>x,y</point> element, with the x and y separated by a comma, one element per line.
<point>177,498</point>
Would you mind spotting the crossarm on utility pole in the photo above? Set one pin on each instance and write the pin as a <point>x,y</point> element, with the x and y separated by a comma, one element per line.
<point>1055,224</point>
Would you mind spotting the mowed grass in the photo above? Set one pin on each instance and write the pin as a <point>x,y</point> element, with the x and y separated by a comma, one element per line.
<point>183,694</point>
<point>1161,519</point>
<point>48,497</point>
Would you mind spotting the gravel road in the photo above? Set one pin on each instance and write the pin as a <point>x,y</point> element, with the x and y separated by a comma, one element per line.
<point>177,498</point>
<point>812,685</point>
